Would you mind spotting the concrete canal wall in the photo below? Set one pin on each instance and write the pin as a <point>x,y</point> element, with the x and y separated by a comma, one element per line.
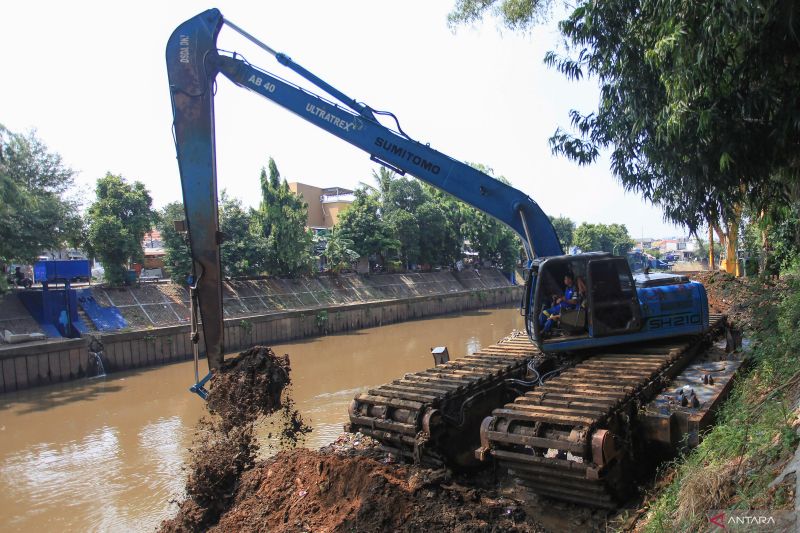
<point>58,360</point>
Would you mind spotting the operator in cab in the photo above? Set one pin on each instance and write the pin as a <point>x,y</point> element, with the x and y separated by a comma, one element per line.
<point>561,303</point>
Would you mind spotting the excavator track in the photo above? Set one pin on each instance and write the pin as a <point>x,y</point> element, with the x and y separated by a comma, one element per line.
<point>577,436</point>
<point>433,417</point>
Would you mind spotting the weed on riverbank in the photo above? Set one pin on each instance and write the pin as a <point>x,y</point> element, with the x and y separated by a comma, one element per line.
<point>757,430</point>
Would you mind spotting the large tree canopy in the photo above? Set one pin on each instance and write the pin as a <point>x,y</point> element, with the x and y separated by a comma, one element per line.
<point>244,250</point>
<point>698,100</point>
<point>281,218</point>
<point>36,212</point>
<point>431,226</point>
<point>118,220</point>
<point>612,238</point>
<point>362,224</point>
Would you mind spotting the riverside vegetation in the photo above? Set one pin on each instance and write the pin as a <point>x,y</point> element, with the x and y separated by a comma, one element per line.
<point>757,431</point>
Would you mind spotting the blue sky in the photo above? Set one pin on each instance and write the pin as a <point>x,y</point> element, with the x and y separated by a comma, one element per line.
<point>90,77</point>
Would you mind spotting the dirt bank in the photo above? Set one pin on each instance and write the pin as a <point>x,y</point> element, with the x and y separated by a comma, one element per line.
<point>346,490</point>
<point>742,299</point>
<point>745,461</point>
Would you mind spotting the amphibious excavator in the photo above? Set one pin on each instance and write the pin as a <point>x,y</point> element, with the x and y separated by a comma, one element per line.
<point>564,425</point>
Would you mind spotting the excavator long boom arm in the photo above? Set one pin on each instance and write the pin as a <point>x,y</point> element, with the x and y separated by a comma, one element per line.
<point>193,63</point>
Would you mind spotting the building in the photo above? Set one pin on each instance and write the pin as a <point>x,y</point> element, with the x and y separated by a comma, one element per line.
<point>153,247</point>
<point>324,204</point>
<point>680,248</point>
<point>61,254</point>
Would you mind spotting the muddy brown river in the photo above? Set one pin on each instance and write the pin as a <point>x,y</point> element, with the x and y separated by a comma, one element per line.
<point>107,454</point>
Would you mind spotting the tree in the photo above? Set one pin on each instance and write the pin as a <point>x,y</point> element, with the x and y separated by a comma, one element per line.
<point>564,227</point>
<point>438,238</point>
<point>400,198</point>
<point>36,211</point>
<point>362,224</point>
<point>118,220</point>
<point>443,218</point>
<point>406,229</point>
<point>428,226</point>
<point>244,250</point>
<point>402,194</point>
<point>491,239</point>
<point>339,251</point>
<point>281,217</point>
<point>698,101</point>
<point>516,14</point>
<point>178,258</point>
<point>613,238</point>
<point>783,239</point>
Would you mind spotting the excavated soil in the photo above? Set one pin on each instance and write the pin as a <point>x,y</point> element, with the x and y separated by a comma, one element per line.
<point>323,491</point>
<point>739,298</point>
<point>349,485</point>
<point>249,386</point>
<point>218,459</point>
<point>246,388</point>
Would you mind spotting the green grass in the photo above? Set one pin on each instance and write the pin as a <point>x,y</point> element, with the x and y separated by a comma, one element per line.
<point>756,429</point>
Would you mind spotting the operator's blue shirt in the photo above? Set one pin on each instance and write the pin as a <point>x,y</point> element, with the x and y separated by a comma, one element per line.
<point>569,294</point>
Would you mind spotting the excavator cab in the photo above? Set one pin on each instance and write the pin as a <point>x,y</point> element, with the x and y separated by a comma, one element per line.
<point>573,299</point>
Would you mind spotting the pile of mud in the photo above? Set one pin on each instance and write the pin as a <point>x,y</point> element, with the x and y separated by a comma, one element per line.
<point>249,386</point>
<point>741,299</point>
<point>350,485</point>
<point>305,490</point>
<point>246,388</point>
<point>217,461</point>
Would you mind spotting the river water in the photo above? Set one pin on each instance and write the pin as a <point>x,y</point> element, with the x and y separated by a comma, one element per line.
<point>107,454</point>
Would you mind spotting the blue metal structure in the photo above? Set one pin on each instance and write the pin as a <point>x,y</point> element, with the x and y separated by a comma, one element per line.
<point>104,318</point>
<point>193,62</point>
<point>56,311</point>
<point>60,271</point>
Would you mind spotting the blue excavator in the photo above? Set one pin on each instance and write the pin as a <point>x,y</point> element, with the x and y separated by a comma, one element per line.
<point>588,303</point>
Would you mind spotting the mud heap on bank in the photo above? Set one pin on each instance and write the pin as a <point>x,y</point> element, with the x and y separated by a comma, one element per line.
<point>245,389</point>
<point>347,486</point>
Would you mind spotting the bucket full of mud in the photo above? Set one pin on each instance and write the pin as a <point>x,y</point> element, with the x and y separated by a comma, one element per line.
<point>248,386</point>
<point>253,385</point>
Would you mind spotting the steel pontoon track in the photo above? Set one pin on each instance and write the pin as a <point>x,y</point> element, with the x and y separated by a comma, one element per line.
<point>432,417</point>
<point>574,437</point>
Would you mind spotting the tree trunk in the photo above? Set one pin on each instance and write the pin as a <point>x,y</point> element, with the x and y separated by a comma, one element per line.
<point>763,227</point>
<point>728,241</point>
<point>731,260</point>
<point>710,248</point>
<point>722,242</point>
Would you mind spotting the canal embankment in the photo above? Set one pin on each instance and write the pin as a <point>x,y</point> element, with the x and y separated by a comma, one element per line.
<point>155,319</point>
